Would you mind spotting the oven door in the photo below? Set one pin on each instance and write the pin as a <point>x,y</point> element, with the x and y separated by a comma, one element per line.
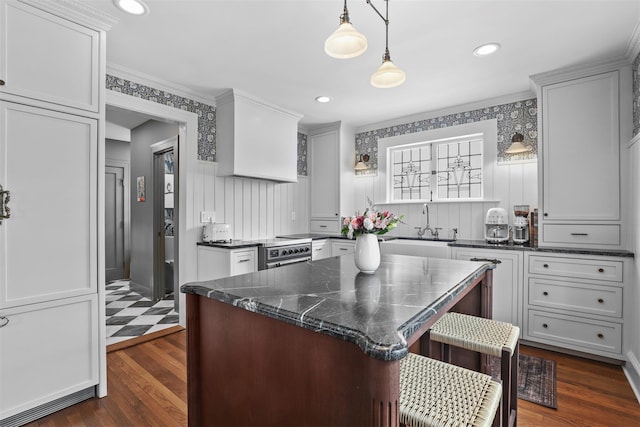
<point>286,262</point>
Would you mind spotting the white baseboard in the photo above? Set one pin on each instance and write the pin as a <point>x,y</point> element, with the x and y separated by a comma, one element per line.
<point>632,371</point>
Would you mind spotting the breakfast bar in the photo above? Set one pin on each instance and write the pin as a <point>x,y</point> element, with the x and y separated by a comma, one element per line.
<point>319,343</point>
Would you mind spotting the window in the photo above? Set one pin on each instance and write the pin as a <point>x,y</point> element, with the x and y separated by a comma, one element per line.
<point>448,169</point>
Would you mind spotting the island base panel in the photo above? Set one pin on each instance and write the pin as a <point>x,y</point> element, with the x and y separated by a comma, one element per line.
<point>250,369</point>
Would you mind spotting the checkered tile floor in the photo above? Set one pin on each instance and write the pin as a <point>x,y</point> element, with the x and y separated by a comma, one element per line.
<point>131,315</point>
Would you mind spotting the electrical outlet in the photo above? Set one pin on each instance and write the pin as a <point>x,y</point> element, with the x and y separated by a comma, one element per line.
<point>207,216</point>
<point>293,215</point>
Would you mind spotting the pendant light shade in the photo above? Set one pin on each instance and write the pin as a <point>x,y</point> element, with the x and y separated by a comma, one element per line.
<point>345,42</point>
<point>388,75</point>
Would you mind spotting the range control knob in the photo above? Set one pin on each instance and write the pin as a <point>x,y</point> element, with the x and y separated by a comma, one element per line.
<point>284,252</point>
<point>307,249</point>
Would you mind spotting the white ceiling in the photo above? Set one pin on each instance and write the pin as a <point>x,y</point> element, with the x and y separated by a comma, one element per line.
<point>273,50</point>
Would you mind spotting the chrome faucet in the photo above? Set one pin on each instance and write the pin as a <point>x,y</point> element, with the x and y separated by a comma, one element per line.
<point>432,231</point>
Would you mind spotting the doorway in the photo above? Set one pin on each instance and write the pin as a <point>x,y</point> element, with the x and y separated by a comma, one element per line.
<point>114,223</point>
<point>165,215</point>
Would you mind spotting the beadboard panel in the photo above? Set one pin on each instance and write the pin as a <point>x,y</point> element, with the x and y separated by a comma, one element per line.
<point>515,183</point>
<point>255,209</point>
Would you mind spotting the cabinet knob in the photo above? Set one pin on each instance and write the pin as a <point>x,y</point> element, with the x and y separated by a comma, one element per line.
<point>601,270</point>
<point>1,82</point>
<point>600,300</point>
<point>4,321</point>
<point>545,293</point>
<point>545,265</point>
<point>546,214</point>
<point>544,325</point>
<point>600,335</point>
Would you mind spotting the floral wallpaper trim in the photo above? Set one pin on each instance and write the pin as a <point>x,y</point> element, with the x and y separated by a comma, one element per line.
<point>520,116</point>
<point>302,154</point>
<point>636,95</point>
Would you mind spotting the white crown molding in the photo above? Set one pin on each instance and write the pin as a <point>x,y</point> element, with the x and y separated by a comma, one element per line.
<point>235,94</point>
<point>462,108</point>
<point>77,11</point>
<point>157,83</point>
<point>577,71</point>
<point>633,141</point>
<point>633,47</point>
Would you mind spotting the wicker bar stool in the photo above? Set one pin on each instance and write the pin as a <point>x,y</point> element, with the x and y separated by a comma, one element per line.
<point>486,336</point>
<point>434,393</point>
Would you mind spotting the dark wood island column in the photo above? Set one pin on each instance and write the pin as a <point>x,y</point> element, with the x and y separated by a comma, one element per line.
<point>315,343</point>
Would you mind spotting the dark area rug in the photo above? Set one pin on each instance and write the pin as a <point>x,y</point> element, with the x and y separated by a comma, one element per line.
<point>536,379</point>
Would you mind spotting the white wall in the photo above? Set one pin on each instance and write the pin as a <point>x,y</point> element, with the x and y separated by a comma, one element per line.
<point>255,209</point>
<point>505,185</point>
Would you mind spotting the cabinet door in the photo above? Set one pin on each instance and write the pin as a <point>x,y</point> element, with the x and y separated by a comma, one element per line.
<point>48,58</point>
<point>320,249</point>
<point>48,246</point>
<point>324,175</point>
<point>47,351</point>
<point>507,280</point>
<point>580,146</point>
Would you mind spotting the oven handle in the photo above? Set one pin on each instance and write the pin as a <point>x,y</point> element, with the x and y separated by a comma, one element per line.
<point>289,261</point>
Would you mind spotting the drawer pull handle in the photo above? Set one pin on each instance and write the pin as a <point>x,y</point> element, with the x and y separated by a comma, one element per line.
<point>344,249</point>
<point>244,260</point>
<point>600,300</point>
<point>1,82</point>
<point>601,270</point>
<point>600,335</point>
<point>491,260</point>
<point>323,226</point>
<point>4,321</point>
<point>545,265</point>
<point>579,234</point>
<point>545,293</point>
<point>544,325</point>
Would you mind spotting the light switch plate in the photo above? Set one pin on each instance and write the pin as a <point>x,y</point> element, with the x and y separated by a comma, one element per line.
<point>207,216</point>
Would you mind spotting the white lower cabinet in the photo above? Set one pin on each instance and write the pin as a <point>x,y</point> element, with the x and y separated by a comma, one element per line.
<point>507,279</point>
<point>576,302</point>
<point>216,263</point>
<point>342,247</point>
<point>47,351</point>
<point>320,249</point>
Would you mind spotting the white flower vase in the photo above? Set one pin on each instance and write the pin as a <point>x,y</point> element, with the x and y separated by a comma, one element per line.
<point>367,253</point>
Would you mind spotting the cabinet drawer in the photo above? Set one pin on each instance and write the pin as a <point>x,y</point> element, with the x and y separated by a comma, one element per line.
<point>324,226</point>
<point>584,268</point>
<point>588,234</point>
<point>575,331</point>
<point>593,299</point>
<point>243,262</point>
<point>342,248</point>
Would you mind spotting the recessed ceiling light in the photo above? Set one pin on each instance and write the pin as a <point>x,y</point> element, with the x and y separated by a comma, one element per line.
<point>134,7</point>
<point>323,99</point>
<point>486,49</point>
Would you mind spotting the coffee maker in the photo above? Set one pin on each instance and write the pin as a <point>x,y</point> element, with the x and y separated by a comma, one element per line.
<point>496,227</point>
<point>521,224</point>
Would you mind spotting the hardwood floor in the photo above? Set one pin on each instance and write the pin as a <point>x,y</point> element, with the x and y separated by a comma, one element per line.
<point>147,387</point>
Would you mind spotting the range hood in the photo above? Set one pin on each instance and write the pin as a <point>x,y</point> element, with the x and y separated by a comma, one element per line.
<point>255,139</point>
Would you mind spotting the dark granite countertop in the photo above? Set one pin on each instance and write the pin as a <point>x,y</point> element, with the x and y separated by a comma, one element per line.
<point>378,312</point>
<point>481,244</point>
<point>234,244</point>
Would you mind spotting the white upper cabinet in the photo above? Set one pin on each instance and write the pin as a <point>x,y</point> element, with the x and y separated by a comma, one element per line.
<point>48,58</point>
<point>580,170</point>
<point>256,139</point>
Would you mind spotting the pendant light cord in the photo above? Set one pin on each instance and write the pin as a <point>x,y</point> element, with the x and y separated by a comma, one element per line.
<point>386,56</point>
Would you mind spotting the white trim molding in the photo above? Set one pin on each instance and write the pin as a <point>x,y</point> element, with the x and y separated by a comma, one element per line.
<point>631,370</point>
<point>156,83</point>
<point>77,11</point>
<point>633,47</point>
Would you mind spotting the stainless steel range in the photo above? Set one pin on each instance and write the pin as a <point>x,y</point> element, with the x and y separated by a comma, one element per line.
<point>282,251</point>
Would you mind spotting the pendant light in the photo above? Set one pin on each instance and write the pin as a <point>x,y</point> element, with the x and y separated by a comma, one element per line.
<point>388,75</point>
<point>345,42</point>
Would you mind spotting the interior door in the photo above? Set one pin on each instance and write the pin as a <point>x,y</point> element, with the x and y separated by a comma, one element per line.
<point>114,222</point>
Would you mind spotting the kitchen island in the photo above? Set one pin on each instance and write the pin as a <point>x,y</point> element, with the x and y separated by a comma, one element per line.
<point>319,343</point>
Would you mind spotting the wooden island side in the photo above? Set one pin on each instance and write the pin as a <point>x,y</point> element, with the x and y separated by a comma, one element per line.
<point>319,343</point>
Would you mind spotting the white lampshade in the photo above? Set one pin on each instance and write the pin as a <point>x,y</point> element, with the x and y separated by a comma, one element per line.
<point>345,42</point>
<point>517,147</point>
<point>388,75</point>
